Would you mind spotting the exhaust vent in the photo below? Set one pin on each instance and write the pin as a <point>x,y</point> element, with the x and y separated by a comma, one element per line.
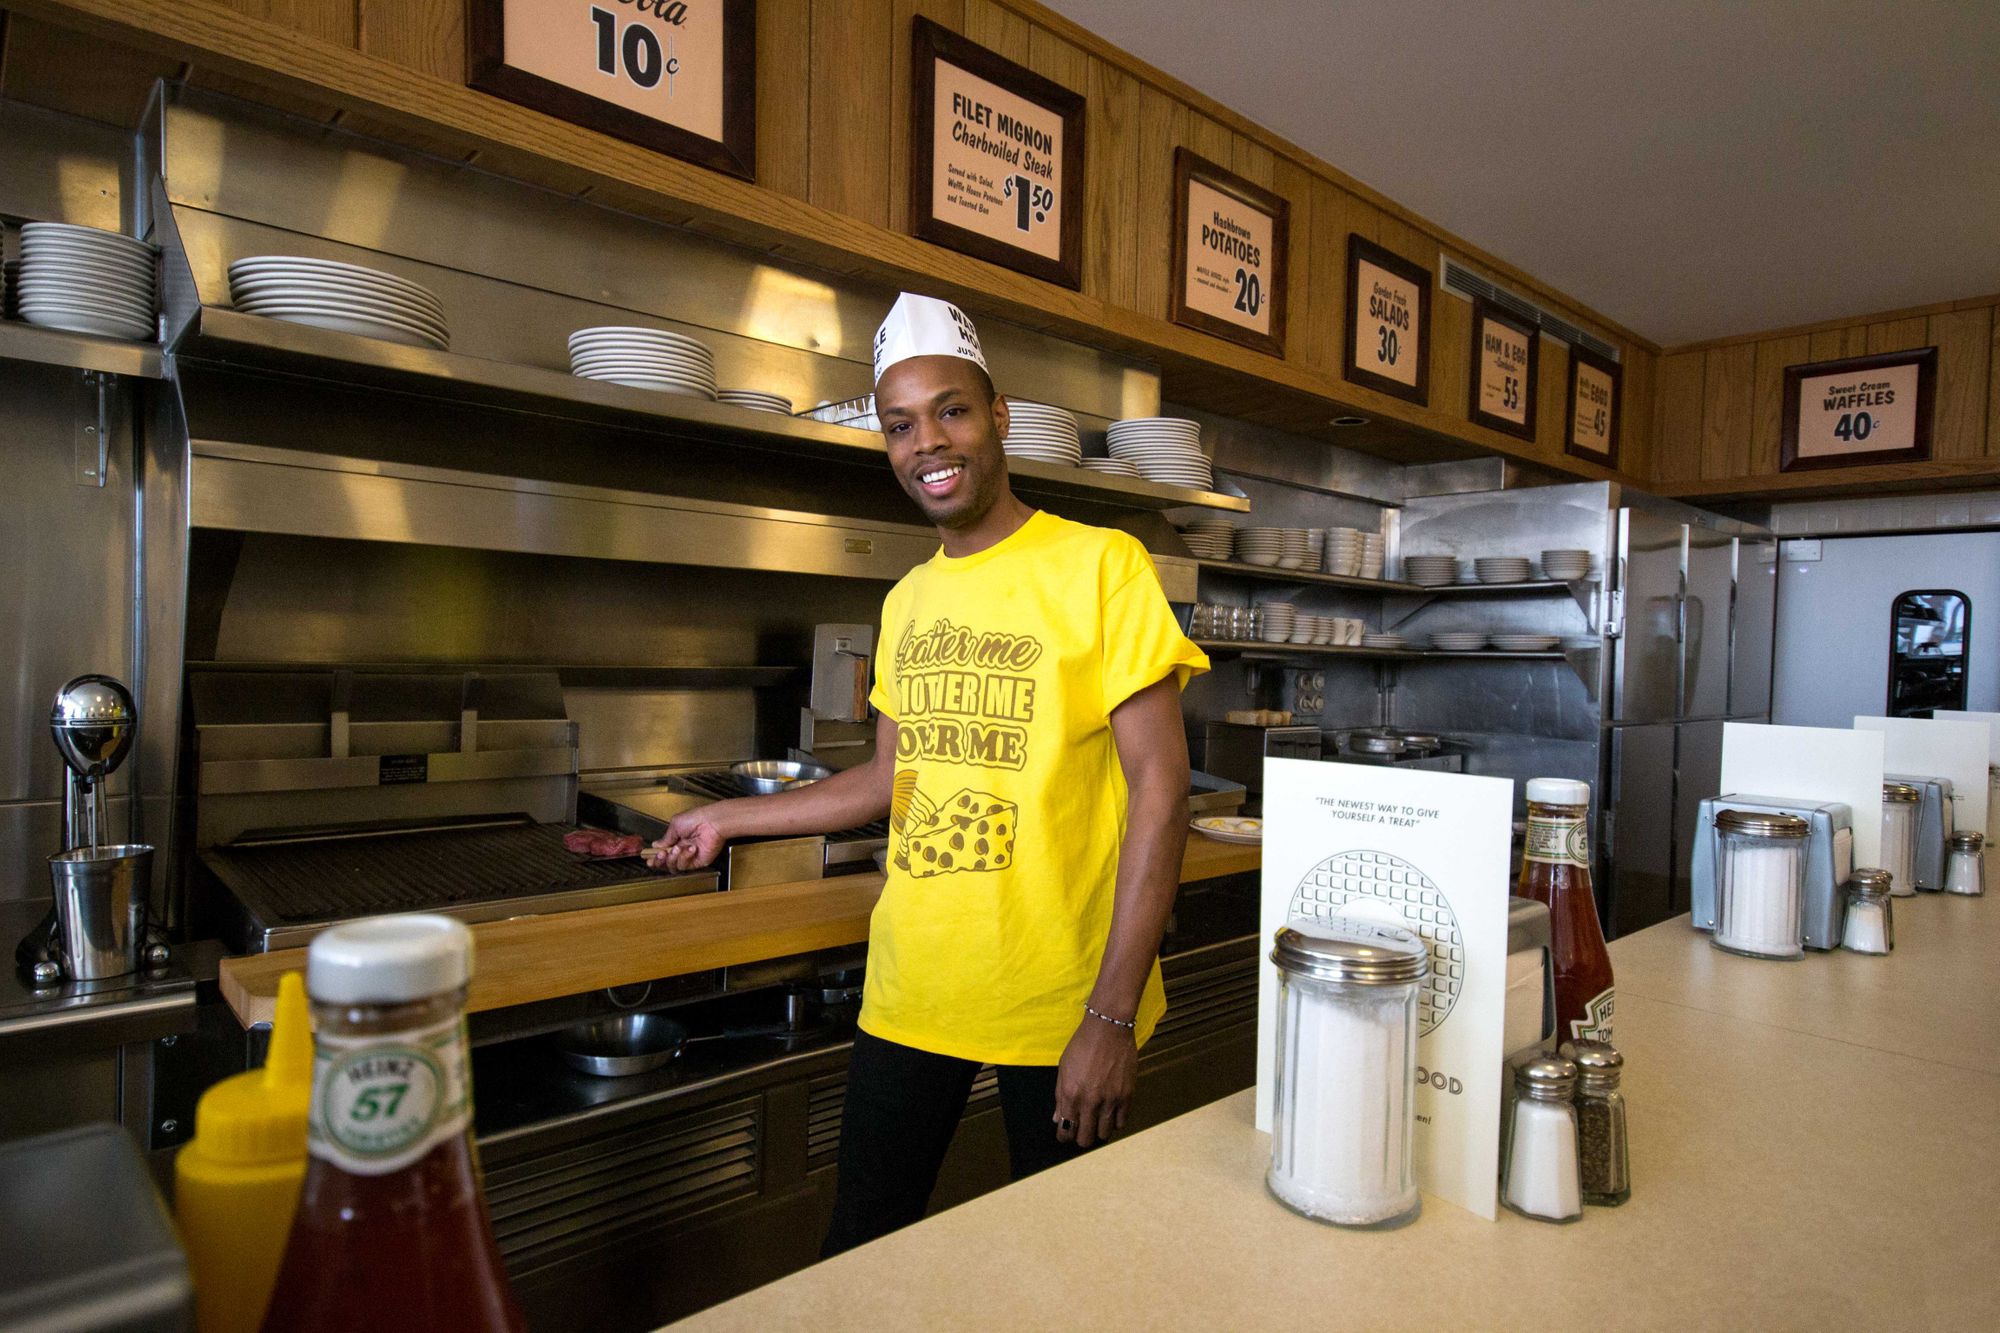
<point>1459,280</point>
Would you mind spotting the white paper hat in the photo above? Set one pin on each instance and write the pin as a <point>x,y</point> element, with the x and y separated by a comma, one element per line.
<point>925,326</point>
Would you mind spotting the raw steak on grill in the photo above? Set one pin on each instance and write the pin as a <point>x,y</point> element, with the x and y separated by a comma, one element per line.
<point>602,844</point>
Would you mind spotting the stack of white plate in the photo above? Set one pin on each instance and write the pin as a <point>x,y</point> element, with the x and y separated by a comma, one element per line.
<point>1525,643</point>
<point>1502,568</point>
<point>1566,565</point>
<point>1383,640</point>
<point>756,401</point>
<point>1042,434</point>
<point>346,298</point>
<point>1111,467</point>
<point>1315,548</point>
<point>1431,571</point>
<point>1297,550</point>
<point>1304,627</point>
<point>1371,555</point>
<point>644,359</point>
<point>86,281</point>
<point>1208,538</point>
<point>1260,546</point>
<point>1164,449</point>
<point>1343,552</point>
<point>1459,640</point>
<point>1278,621</point>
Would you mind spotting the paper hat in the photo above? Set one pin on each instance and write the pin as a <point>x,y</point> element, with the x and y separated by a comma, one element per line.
<point>925,326</point>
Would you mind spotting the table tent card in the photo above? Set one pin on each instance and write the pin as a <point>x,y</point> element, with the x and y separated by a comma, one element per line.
<point>1931,748</point>
<point>1429,852</point>
<point>1809,764</point>
<point>1992,723</point>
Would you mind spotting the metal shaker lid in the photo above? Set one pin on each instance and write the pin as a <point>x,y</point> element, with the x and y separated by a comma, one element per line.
<point>1375,742</point>
<point>1546,1078</point>
<point>1598,1064</point>
<point>1872,882</point>
<point>1900,793</point>
<point>1361,952</point>
<point>1968,841</point>
<point>1763,823</point>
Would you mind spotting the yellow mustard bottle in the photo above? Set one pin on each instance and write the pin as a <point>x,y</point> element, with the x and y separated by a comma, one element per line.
<point>236,1182</point>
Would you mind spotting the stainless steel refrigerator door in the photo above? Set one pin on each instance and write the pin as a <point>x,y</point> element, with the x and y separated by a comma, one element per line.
<point>1638,867</point>
<point>1753,628</point>
<point>1645,668</point>
<point>1708,591</point>
<point>1697,776</point>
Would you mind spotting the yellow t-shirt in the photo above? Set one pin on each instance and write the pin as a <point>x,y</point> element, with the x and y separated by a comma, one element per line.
<point>1001,670</point>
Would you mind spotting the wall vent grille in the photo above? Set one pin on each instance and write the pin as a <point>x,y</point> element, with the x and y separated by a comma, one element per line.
<point>1459,280</point>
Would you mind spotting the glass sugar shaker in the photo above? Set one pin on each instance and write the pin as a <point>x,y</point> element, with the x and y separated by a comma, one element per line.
<point>1871,918</point>
<point>1760,883</point>
<point>1899,837</point>
<point>1541,1177</point>
<point>1604,1163</point>
<point>1965,873</point>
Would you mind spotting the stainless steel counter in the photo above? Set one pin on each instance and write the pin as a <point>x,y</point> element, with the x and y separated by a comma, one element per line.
<point>89,1014</point>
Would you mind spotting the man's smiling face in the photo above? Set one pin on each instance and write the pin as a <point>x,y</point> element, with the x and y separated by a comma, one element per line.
<point>943,425</point>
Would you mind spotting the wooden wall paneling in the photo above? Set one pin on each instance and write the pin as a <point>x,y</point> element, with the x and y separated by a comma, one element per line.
<point>784,105</point>
<point>1964,381</point>
<point>1253,161</point>
<point>1451,352</point>
<point>1768,399</point>
<point>948,13</point>
<point>1635,413</point>
<point>68,71</point>
<point>848,137</point>
<point>427,36</point>
<point>1678,438</point>
<point>998,28</point>
<point>1838,344</point>
<point>1993,392</point>
<point>1898,335</point>
<point>1551,384</point>
<point>1210,138</point>
<point>333,21</point>
<point>1307,338</point>
<point>1728,381</point>
<point>1111,254</point>
<point>1061,62</point>
<point>1163,126</point>
<point>1326,260</point>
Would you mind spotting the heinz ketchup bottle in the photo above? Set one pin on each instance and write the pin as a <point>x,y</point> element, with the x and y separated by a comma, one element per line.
<point>1555,869</point>
<point>391,1229</point>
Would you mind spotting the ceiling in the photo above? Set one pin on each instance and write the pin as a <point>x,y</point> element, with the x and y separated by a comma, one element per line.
<point>1692,170</point>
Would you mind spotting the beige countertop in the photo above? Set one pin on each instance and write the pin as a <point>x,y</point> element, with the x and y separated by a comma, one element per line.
<point>1814,1145</point>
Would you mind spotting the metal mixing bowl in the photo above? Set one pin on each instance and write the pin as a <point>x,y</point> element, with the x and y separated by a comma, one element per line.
<point>762,777</point>
<point>623,1044</point>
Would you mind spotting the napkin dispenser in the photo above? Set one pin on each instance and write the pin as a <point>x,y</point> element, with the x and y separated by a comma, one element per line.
<point>1530,1022</point>
<point>1829,862</point>
<point>1930,850</point>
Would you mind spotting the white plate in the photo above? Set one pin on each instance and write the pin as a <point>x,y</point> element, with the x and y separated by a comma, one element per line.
<point>368,328</point>
<point>674,387</point>
<point>63,252</point>
<point>86,235</point>
<point>307,289</point>
<point>116,249</point>
<point>289,266</point>
<point>278,309</point>
<point>580,342</point>
<point>70,289</point>
<point>1230,828</point>
<point>83,321</point>
<point>634,334</point>
<point>664,364</point>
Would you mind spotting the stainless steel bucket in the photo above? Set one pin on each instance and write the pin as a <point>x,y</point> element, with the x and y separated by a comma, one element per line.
<point>101,897</point>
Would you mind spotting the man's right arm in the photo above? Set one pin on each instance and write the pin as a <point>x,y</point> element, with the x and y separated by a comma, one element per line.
<point>845,800</point>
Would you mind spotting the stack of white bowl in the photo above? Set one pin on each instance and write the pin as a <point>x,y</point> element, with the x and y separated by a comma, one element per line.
<point>1566,565</point>
<point>1260,546</point>
<point>1431,571</point>
<point>756,400</point>
<point>346,298</point>
<point>1375,639</point>
<point>644,359</point>
<point>1371,555</point>
<point>1502,568</point>
<point>1458,640</point>
<point>1210,538</point>
<point>1278,619</point>
<point>1297,550</point>
<point>1343,552</point>
<point>1304,628</point>
<point>1315,548</point>
<point>1042,434</point>
<point>1525,643</point>
<point>1164,449</point>
<point>86,281</point>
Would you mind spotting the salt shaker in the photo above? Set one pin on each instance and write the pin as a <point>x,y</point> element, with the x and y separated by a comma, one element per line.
<point>1899,837</point>
<point>1603,1152</point>
<point>1541,1178</point>
<point>1966,872</point>
<point>1871,918</point>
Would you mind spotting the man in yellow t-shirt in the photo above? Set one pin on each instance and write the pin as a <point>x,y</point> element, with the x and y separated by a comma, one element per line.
<point>1031,757</point>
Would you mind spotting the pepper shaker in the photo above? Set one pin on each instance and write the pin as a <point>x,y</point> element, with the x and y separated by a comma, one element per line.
<point>1603,1151</point>
<point>1541,1179</point>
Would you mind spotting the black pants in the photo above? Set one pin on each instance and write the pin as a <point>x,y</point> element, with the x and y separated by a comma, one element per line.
<point>903,1105</point>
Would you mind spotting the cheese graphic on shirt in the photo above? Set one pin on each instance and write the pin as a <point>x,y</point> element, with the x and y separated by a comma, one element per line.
<point>973,830</point>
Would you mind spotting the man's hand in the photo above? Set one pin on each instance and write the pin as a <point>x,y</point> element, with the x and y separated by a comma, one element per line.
<point>692,840</point>
<point>1094,1082</point>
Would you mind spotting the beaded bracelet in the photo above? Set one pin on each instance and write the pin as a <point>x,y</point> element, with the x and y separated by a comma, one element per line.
<point>1130,1025</point>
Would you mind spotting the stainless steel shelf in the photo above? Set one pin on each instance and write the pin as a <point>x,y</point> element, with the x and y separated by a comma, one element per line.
<point>1498,589</point>
<point>1271,574</point>
<point>80,351</point>
<point>254,342</point>
<point>1254,648</point>
<point>1581,591</point>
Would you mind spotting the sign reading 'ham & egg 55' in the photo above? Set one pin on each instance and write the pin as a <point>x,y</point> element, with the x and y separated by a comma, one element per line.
<point>1867,409</point>
<point>1503,371</point>
<point>996,158</point>
<point>1230,243</point>
<point>677,76</point>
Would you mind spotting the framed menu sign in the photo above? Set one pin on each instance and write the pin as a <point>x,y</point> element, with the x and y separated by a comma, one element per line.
<point>996,158</point>
<point>1503,370</point>
<point>1230,239</point>
<point>676,76</point>
<point>1388,322</point>
<point>1592,429</point>
<point>1867,409</point>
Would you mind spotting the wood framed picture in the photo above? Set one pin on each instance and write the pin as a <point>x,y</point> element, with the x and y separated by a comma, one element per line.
<point>1388,322</point>
<point>1595,384</point>
<point>1866,409</point>
<point>1231,238</point>
<point>1503,370</point>
<point>676,76</point>
<point>996,158</point>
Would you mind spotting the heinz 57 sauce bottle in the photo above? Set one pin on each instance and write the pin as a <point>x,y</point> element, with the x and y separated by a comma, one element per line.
<point>1555,869</point>
<point>391,1229</point>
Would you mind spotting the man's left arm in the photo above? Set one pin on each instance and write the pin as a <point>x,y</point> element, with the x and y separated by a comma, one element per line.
<point>1100,1066</point>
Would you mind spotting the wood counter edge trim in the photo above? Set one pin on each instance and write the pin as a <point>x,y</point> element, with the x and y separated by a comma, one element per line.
<point>812,915</point>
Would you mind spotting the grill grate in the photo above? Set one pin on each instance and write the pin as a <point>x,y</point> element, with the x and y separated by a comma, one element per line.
<point>320,879</point>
